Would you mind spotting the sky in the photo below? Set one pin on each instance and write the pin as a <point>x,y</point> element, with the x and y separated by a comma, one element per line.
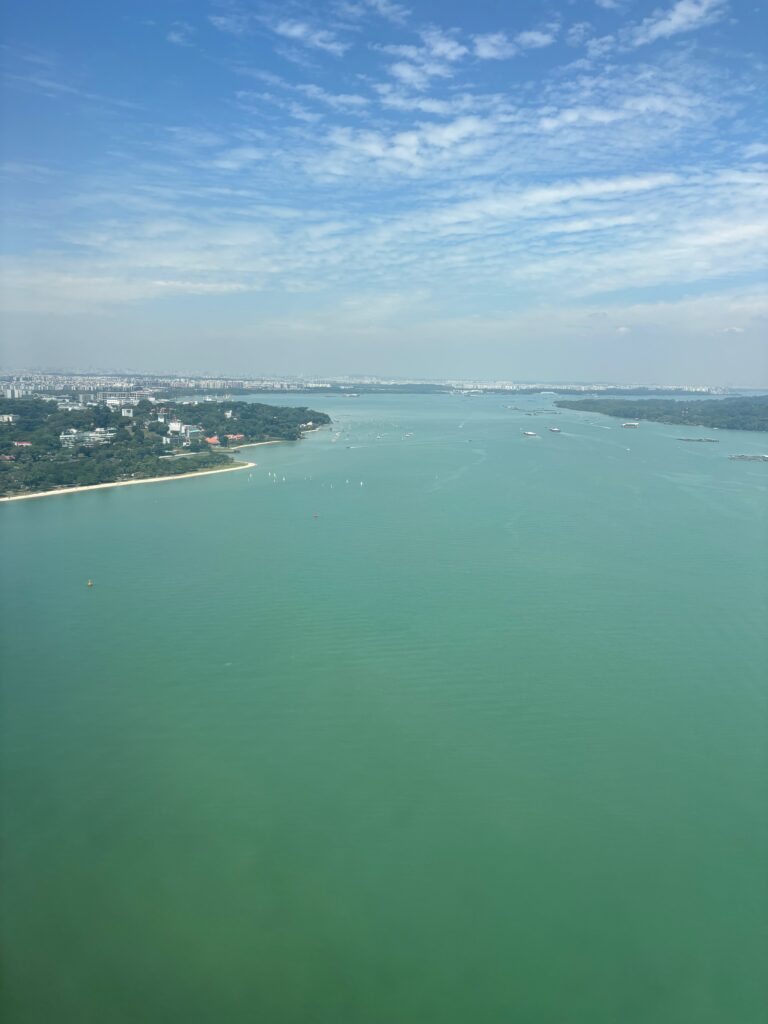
<point>486,190</point>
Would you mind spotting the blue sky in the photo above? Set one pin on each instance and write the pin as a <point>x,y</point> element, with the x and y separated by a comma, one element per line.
<point>529,191</point>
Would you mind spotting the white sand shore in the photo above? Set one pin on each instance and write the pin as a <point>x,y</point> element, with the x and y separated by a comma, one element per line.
<point>128,483</point>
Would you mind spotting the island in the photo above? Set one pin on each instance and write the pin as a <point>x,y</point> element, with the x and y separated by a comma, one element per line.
<point>48,445</point>
<point>741,413</point>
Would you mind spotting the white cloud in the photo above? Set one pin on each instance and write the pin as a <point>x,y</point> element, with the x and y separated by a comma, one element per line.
<point>458,103</point>
<point>683,16</point>
<point>393,12</point>
<point>180,34</point>
<point>578,33</point>
<point>598,47</point>
<point>663,23</point>
<point>442,177</point>
<point>499,46</point>
<point>413,76</point>
<point>494,46</point>
<point>413,151</point>
<point>678,107</point>
<point>434,59</point>
<point>233,23</point>
<point>237,158</point>
<point>339,101</point>
<point>396,13</point>
<point>52,87</point>
<point>319,39</point>
<point>535,39</point>
<point>443,46</point>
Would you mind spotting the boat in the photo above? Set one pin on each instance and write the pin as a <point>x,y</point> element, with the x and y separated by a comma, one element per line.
<point>630,425</point>
<point>89,583</point>
<point>529,433</point>
<point>555,430</point>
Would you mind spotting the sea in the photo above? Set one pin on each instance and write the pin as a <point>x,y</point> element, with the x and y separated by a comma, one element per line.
<point>418,721</point>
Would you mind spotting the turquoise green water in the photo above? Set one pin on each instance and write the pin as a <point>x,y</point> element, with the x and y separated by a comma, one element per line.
<point>483,741</point>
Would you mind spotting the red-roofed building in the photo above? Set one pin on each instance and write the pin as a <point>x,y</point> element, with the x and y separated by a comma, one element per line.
<point>213,440</point>
<point>235,437</point>
<point>22,444</point>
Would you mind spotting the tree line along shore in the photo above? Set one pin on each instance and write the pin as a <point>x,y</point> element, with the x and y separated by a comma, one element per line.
<point>742,413</point>
<point>48,445</point>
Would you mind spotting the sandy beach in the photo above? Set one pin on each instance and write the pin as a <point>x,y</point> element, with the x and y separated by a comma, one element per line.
<point>129,483</point>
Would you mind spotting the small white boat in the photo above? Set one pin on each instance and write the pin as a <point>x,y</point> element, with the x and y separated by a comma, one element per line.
<point>555,430</point>
<point>631,426</point>
<point>529,433</point>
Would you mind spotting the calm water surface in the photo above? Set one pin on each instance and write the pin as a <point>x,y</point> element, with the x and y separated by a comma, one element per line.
<point>483,740</point>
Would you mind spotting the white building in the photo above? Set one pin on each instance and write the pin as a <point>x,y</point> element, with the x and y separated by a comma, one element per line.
<point>86,438</point>
<point>8,417</point>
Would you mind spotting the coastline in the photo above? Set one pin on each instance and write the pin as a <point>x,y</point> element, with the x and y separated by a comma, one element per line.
<point>251,444</point>
<point>277,440</point>
<point>129,483</point>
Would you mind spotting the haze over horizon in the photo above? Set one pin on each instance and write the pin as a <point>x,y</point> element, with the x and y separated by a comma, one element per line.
<point>572,191</point>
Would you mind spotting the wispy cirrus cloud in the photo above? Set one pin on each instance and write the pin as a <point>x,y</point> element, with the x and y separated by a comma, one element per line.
<point>181,33</point>
<point>664,23</point>
<point>341,102</point>
<point>683,16</point>
<point>599,240</point>
<point>423,147</point>
<point>494,46</point>
<point>232,22</point>
<point>416,169</point>
<point>434,58</point>
<point>308,35</point>
<point>237,158</point>
<point>395,13</point>
<point>500,46</point>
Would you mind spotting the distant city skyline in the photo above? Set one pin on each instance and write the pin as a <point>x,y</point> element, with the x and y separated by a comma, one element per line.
<point>558,192</point>
<point>19,382</point>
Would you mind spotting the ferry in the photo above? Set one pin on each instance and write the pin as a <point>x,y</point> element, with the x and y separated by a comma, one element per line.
<point>632,426</point>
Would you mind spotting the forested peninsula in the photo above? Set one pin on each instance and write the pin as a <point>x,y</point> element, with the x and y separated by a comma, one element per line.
<point>725,413</point>
<point>48,445</point>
